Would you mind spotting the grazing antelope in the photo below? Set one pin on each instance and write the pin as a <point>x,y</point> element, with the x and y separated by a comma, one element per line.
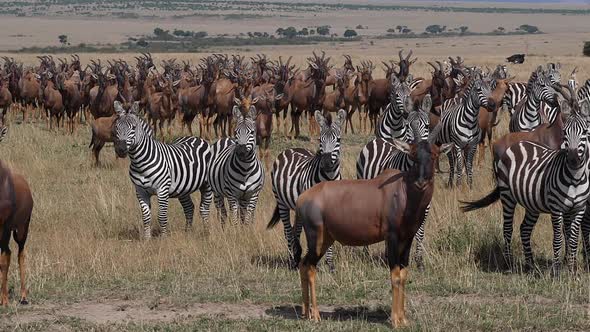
<point>544,180</point>
<point>389,208</point>
<point>16,206</point>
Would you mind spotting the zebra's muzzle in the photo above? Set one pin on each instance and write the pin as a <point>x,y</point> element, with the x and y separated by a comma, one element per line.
<point>121,149</point>
<point>242,151</point>
<point>573,159</point>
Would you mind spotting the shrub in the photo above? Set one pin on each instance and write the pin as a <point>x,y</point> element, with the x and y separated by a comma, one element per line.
<point>587,48</point>
<point>350,33</point>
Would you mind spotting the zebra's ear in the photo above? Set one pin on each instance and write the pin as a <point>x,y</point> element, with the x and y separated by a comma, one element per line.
<point>252,112</point>
<point>408,104</point>
<point>237,114</point>
<point>445,148</point>
<point>119,110</point>
<point>401,145</point>
<point>237,101</point>
<point>134,108</point>
<point>341,118</point>
<point>426,103</point>
<point>319,118</point>
<point>565,108</point>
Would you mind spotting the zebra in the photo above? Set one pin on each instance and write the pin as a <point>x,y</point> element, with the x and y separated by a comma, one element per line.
<point>584,92</point>
<point>296,170</point>
<point>517,90</point>
<point>235,172</point>
<point>392,123</point>
<point>3,132</point>
<point>380,154</point>
<point>460,125</point>
<point>167,170</point>
<point>540,88</point>
<point>545,181</point>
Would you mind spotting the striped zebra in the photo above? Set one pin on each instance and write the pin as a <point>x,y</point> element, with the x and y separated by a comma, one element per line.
<point>235,172</point>
<point>517,90</point>
<point>392,123</point>
<point>380,154</point>
<point>296,170</point>
<point>545,181</point>
<point>460,125</point>
<point>166,170</point>
<point>3,132</point>
<point>527,115</point>
<point>584,92</point>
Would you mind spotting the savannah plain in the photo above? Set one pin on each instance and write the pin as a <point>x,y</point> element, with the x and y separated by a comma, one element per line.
<point>88,268</point>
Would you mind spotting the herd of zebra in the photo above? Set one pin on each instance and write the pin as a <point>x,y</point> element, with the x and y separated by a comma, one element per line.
<point>543,164</point>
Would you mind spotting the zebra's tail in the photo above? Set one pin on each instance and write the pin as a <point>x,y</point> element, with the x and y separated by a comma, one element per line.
<point>274,220</point>
<point>481,203</point>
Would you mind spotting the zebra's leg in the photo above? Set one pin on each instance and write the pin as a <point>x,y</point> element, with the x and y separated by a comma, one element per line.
<point>206,198</point>
<point>585,226</point>
<point>419,242</point>
<point>459,165</point>
<point>526,229</point>
<point>146,215</point>
<point>251,208</point>
<point>188,207</point>
<point>471,150</point>
<point>508,206</point>
<point>284,214</point>
<point>242,207</point>
<point>556,221</point>
<point>220,205</point>
<point>451,155</point>
<point>576,220</point>
<point>233,210</point>
<point>163,202</point>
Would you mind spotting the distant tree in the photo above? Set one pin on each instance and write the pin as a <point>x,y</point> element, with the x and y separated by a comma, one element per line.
<point>528,28</point>
<point>360,27</point>
<point>142,43</point>
<point>312,32</point>
<point>200,34</point>
<point>406,30</point>
<point>587,48</point>
<point>178,33</point>
<point>435,28</point>
<point>63,39</point>
<point>463,29</point>
<point>501,29</point>
<point>303,32</point>
<point>323,30</point>
<point>265,34</point>
<point>349,33</point>
<point>280,31</point>
<point>250,34</point>
<point>290,32</point>
<point>392,30</point>
<point>160,32</point>
<point>257,34</point>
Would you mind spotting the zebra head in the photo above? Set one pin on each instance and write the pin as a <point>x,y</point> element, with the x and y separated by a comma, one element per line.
<point>543,87</point>
<point>127,129</point>
<point>419,120</point>
<point>576,127</point>
<point>479,91</point>
<point>330,134</point>
<point>245,132</point>
<point>553,72</point>
<point>399,95</point>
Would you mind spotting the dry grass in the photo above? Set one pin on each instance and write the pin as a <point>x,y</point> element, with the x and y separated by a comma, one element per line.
<point>84,247</point>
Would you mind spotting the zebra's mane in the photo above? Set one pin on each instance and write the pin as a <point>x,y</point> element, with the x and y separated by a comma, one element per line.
<point>532,81</point>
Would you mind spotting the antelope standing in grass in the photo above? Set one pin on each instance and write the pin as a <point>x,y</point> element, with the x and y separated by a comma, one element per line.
<point>16,206</point>
<point>389,208</point>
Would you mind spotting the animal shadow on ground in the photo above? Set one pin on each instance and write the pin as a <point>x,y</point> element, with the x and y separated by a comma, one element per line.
<point>489,257</point>
<point>134,233</point>
<point>374,315</point>
<point>270,261</point>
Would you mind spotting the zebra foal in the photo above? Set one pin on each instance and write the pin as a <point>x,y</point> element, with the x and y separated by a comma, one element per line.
<point>166,170</point>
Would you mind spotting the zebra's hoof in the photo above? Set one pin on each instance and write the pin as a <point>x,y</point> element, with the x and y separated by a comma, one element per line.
<point>24,302</point>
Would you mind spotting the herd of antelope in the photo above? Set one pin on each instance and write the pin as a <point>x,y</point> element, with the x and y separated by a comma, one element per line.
<point>543,164</point>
